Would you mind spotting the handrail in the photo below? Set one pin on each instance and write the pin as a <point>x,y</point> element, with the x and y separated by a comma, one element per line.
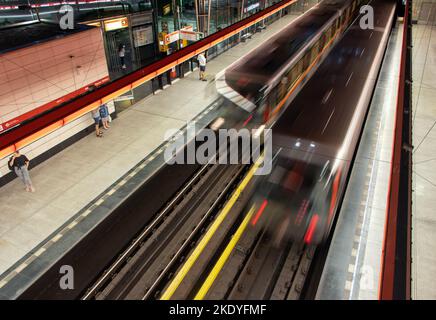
<point>396,254</point>
<point>47,122</point>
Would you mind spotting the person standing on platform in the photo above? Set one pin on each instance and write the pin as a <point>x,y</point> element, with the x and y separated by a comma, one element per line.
<point>202,63</point>
<point>122,54</point>
<point>104,114</point>
<point>20,165</point>
<point>96,116</point>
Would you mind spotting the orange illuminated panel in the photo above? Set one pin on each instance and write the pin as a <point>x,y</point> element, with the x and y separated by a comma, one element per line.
<point>116,94</point>
<point>41,133</point>
<point>218,41</point>
<point>115,24</point>
<point>7,151</point>
<point>81,112</point>
<point>167,67</point>
<point>186,57</point>
<point>202,49</point>
<point>137,83</point>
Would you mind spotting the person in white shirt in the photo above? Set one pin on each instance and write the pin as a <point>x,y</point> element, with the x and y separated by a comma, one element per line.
<point>121,54</point>
<point>202,63</point>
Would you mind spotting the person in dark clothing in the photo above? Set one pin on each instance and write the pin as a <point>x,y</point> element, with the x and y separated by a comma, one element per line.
<point>96,116</point>
<point>20,163</point>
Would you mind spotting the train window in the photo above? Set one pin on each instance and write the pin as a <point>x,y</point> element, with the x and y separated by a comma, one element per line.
<point>283,86</point>
<point>314,52</point>
<point>338,22</point>
<point>289,75</point>
<point>331,32</point>
<point>273,98</point>
<point>333,29</point>
<point>306,61</point>
<point>323,40</point>
<point>295,73</point>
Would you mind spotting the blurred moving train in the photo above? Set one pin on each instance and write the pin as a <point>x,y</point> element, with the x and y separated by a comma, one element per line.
<point>265,80</point>
<point>308,176</point>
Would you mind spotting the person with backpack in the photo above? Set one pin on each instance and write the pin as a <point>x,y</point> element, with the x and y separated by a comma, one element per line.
<point>96,116</point>
<point>105,116</point>
<point>19,163</point>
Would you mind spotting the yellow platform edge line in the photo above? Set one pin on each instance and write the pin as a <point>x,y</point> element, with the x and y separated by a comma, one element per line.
<point>205,240</point>
<point>223,258</point>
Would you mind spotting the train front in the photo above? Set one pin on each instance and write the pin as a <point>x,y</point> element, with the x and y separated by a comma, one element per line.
<point>298,200</point>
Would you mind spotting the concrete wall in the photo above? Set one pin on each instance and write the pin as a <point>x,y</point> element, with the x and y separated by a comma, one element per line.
<point>36,75</point>
<point>33,76</point>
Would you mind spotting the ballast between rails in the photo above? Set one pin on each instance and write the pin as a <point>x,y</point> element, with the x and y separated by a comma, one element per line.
<point>51,120</point>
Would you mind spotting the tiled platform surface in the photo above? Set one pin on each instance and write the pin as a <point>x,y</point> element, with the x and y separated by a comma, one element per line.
<point>71,179</point>
<point>424,161</point>
<point>353,263</point>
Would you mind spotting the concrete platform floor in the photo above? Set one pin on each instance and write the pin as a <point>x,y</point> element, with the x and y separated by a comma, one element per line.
<point>424,163</point>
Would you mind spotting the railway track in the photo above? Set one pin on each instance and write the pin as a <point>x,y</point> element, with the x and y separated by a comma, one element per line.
<point>143,269</point>
<point>263,267</point>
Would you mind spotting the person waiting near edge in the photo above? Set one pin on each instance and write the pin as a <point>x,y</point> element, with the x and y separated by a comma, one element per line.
<point>96,116</point>
<point>104,114</point>
<point>202,63</point>
<point>20,164</point>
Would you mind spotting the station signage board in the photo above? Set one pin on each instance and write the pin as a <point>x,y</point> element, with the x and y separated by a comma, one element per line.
<point>143,35</point>
<point>171,37</point>
<point>187,33</point>
<point>252,7</point>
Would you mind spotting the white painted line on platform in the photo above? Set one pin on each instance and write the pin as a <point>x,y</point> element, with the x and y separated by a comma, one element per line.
<point>39,251</point>
<point>57,237</point>
<point>353,252</point>
<point>21,267</point>
<point>72,225</point>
